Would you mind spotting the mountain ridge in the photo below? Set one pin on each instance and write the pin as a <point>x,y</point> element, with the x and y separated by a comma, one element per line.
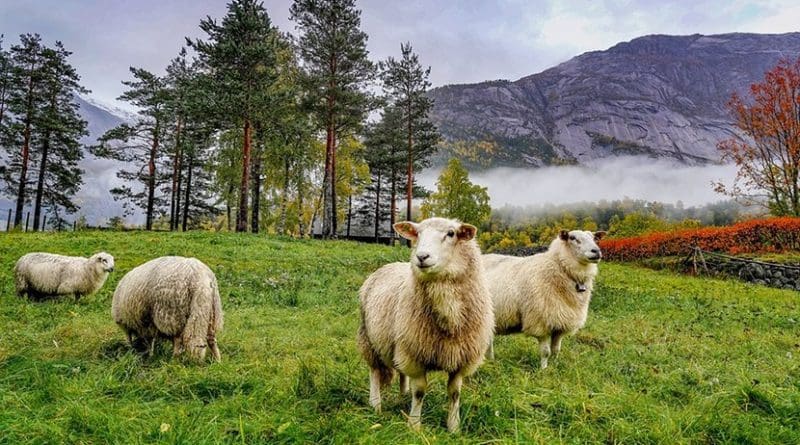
<point>661,96</point>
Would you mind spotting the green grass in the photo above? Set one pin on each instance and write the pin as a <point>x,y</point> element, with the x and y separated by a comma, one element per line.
<point>663,359</point>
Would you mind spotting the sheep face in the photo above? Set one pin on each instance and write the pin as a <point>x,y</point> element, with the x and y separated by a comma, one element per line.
<point>104,262</point>
<point>583,244</point>
<point>435,243</point>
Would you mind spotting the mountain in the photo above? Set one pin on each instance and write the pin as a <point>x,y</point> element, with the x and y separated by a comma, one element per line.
<point>658,96</point>
<point>94,198</point>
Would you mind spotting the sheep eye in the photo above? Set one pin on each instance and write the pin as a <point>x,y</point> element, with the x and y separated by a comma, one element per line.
<point>451,233</point>
<point>572,238</point>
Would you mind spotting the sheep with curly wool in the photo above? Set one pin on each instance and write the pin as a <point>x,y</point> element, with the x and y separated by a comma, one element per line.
<point>42,275</point>
<point>432,314</point>
<point>545,295</point>
<point>170,297</point>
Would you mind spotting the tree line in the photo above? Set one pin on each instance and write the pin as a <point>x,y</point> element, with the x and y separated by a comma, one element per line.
<point>250,127</point>
<point>40,129</point>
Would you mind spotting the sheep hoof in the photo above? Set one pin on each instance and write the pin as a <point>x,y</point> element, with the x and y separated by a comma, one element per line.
<point>415,424</point>
<point>543,364</point>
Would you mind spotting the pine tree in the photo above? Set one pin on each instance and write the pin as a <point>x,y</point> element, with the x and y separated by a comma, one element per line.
<point>406,83</point>
<point>457,197</point>
<point>60,128</point>
<point>334,51</point>
<point>240,57</point>
<point>6,76</point>
<point>24,103</point>
<point>140,144</point>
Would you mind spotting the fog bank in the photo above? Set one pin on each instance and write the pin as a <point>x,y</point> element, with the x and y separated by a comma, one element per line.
<point>617,178</point>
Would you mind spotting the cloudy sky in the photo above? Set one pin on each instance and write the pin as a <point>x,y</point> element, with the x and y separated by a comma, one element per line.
<point>464,41</point>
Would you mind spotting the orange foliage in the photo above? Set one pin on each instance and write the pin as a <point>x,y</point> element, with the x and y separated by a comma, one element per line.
<point>754,236</point>
<point>768,156</point>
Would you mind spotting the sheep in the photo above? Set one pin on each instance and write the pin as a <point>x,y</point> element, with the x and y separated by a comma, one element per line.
<point>545,295</point>
<point>42,275</point>
<point>170,297</point>
<point>432,313</point>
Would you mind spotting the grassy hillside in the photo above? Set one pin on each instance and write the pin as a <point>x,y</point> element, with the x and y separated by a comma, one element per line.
<point>663,359</point>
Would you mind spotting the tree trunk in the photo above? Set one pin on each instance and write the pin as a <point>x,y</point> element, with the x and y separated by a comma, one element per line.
<point>255,218</point>
<point>410,169</point>
<point>329,192</point>
<point>393,211</point>
<point>37,208</point>
<point>174,204</point>
<point>349,213</point>
<point>244,188</point>
<point>301,223</point>
<point>284,197</point>
<point>186,200</point>
<point>228,205</point>
<point>151,180</point>
<point>26,145</point>
<point>378,208</point>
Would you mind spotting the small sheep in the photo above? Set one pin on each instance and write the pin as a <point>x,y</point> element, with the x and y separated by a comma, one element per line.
<point>174,298</point>
<point>432,314</point>
<point>42,275</point>
<point>545,295</point>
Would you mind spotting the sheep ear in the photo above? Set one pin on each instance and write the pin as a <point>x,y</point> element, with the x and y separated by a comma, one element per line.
<point>407,230</point>
<point>466,232</point>
<point>564,235</point>
<point>599,235</point>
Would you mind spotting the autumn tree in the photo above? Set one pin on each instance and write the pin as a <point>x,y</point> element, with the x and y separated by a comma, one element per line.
<point>767,152</point>
<point>457,197</point>
<point>334,52</point>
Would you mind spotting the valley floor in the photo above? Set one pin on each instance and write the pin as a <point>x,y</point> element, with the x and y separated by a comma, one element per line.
<point>663,359</point>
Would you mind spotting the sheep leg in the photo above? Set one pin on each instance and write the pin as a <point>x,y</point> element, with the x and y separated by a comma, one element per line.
<point>177,346</point>
<point>418,386</point>
<point>555,343</point>
<point>403,380</point>
<point>544,351</point>
<point>151,348</point>
<point>490,350</point>
<point>375,389</point>
<point>454,394</point>
<point>212,344</point>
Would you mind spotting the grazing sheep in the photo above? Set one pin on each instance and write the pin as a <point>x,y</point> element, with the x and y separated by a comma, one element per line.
<point>42,275</point>
<point>432,314</point>
<point>545,295</point>
<point>174,298</point>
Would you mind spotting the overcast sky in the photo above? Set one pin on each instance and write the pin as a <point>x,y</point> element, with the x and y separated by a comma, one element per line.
<point>463,41</point>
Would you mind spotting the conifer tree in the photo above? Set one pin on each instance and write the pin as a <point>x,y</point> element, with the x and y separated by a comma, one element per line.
<point>240,58</point>
<point>334,51</point>
<point>24,103</point>
<point>140,144</point>
<point>406,84</point>
<point>60,130</point>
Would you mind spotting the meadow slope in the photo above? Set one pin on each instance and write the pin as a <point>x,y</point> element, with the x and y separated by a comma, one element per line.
<point>663,358</point>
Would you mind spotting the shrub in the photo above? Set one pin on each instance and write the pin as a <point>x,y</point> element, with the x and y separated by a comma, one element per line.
<point>754,236</point>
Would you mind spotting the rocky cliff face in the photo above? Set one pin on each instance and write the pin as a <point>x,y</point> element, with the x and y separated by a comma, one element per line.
<point>658,96</point>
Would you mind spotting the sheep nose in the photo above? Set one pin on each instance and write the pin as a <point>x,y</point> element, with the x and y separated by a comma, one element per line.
<point>421,257</point>
<point>596,251</point>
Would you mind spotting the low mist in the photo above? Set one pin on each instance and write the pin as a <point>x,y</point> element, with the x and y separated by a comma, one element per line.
<point>612,179</point>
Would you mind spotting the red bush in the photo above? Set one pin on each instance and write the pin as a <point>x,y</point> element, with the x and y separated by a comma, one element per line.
<point>754,236</point>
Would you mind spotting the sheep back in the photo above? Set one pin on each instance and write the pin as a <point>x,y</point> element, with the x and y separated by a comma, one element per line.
<point>41,274</point>
<point>169,297</point>
<point>536,295</point>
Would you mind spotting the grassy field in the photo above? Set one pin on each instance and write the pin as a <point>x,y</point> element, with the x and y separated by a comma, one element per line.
<point>663,359</point>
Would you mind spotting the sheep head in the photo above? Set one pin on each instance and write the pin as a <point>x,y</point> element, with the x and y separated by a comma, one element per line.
<point>438,245</point>
<point>103,261</point>
<point>583,244</point>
